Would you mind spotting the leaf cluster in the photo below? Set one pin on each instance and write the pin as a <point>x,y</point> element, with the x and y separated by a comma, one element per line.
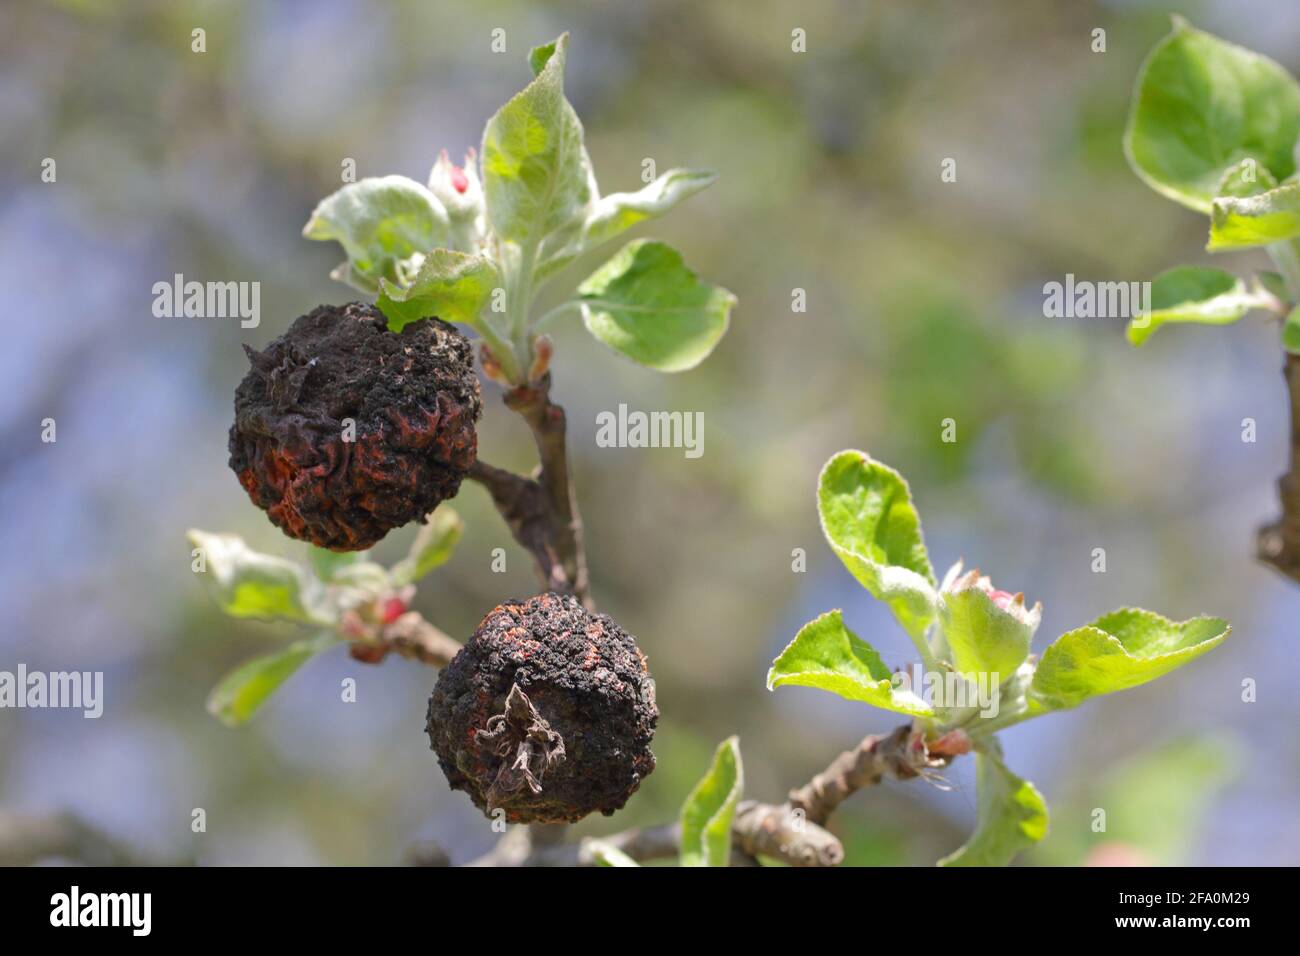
<point>1214,126</point>
<point>476,244</point>
<point>343,597</point>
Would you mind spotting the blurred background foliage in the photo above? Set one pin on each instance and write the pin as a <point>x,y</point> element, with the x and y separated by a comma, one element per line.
<point>924,303</point>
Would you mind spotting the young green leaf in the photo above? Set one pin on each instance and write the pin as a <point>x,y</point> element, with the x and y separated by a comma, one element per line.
<point>245,583</point>
<point>1273,284</point>
<point>326,564</point>
<point>1123,649</point>
<point>1200,106</point>
<point>983,637</point>
<point>1012,816</point>
<point>1196,294</point>
<point>386,225</point>
<point>1258,220</point>
<point>433,545</point>
<point>536,175</point>
<point>606,854</point>
<point>247,687</point>
<point>541,54</point>
<point>1246,178</point>
<point>619,212</point>
<point>614,214</point>
<point>453,286</point>
<point>869,520</point>
<point>645,304</point>
<point>708,811</point>
<point>368,577</point>
<point>1291,332</point>
<point>828,655</point>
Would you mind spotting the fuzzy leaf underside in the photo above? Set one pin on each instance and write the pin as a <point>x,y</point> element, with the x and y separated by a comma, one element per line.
<point>1196,294</point>
<point>385,225</point>
<point>536,174</point>
<point>247,583</point>
<point>1242,222</point>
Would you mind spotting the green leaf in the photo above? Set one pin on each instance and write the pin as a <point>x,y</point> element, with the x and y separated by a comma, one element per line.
<point>328,564</point>
<point>606,854</point>
<point>246,583</point>
<point>386,225</point>
<point>619,212</point>
<point>708,811</point>
<point>454,286</point>
<point>433,545</point>
<point>1202,105</point>
<point>868,517</point>
<point>827,655</point>
<point>983,638</point>
<point>368,577</point>
<point>1273,284</point>
<point>1012,816</point>
<point>536,176</point>
<point>614,214</point>
<point>540,55</point>
<point>1123,649</point>
<point>1243,222</point>
<point>645,304</point>
<point>1291,332</point>
<point>1195,294</point>
<point>247,687</point>
<point>1246,178</point>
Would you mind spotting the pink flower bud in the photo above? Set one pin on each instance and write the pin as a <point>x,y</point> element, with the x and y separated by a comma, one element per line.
<point>1014,604</point>
<point>391,609</point>
<point>1004,599</point>
<point>1116,853</point>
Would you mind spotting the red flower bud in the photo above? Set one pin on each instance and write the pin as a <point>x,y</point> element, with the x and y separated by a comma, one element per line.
<point>391,609</point>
